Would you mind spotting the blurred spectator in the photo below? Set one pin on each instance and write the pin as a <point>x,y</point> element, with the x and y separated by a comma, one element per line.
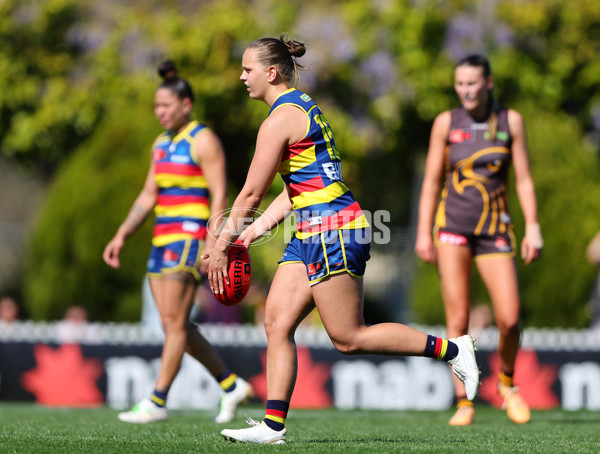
<point>9,310</point>
<point>74,327</point>
<point>593,255</point>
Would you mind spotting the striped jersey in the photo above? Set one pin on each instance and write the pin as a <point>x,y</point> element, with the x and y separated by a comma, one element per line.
<point>182,209</point>
<point>312,170</point>
<point>474,199</point>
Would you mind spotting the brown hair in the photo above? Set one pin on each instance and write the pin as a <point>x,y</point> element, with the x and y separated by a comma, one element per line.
<point>479,61</point>
<point>280,53</point>
<point>178,86</point>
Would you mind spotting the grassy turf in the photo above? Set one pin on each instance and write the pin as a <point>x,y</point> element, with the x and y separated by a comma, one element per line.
<point>26,428</point>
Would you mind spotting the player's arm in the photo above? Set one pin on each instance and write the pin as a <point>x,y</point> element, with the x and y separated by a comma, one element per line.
<point>532,243</point>
<point>141,208</point>
<point>434,167</point>
<point>211,157</point>
<point>286,125</point>
<point>277,211</point>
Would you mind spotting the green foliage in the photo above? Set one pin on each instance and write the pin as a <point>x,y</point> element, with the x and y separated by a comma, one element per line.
<point>42,114</point>
<point>81,96</point>
<point>89,200</point>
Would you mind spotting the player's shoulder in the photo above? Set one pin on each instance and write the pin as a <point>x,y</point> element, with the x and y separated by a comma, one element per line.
<point>442,122</point>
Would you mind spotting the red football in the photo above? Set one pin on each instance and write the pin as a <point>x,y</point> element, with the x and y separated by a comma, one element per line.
<point>240,276</point>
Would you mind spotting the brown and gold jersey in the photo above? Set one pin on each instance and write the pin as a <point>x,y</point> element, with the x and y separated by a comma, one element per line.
<point>474,198</point>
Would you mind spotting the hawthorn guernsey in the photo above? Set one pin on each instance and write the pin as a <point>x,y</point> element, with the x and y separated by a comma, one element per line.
<point>240,276</point>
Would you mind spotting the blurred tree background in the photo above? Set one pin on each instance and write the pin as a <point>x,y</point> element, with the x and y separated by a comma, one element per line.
<point>77,85</point>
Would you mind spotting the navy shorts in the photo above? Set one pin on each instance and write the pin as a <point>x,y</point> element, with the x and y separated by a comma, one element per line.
<point>480,245</point>
<point>175,257</point>
<point>330,252</point>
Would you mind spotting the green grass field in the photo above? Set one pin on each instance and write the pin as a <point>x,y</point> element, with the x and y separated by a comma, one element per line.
<point>27,428</point>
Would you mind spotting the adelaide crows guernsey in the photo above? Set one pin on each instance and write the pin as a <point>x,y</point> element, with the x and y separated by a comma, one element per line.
<point>474,198</point>
<point>312,170</point>
<point>182,209</point>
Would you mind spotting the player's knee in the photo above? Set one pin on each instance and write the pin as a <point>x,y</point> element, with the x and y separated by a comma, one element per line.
<point>172,324</point>
<point>277,329</point>
<point>346,345</point>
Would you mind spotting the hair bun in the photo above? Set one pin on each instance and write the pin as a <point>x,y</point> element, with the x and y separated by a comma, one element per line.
<point>295,48</point>
<point>167,70</point>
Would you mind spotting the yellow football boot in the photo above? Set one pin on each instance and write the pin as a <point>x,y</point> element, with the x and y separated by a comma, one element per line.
<point>514,404</point>
<point>465,413</point>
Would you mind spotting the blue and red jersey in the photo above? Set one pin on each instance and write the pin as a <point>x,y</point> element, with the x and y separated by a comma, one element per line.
<point>312,170</point>
<point>182,209</point>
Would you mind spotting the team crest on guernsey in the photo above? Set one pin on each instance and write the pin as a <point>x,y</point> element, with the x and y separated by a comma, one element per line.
<point>305,97</point>
<point>159,154</point>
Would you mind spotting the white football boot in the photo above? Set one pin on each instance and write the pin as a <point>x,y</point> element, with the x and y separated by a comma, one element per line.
<point>230,401</point>
<point>259,433</point>
<point>144,412</point>
<point>464,365</point>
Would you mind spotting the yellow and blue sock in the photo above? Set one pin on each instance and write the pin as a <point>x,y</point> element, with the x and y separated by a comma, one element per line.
<point>441,349</point>
<point>276,413</point>
<point>159,398</point>
<point>227,380</point>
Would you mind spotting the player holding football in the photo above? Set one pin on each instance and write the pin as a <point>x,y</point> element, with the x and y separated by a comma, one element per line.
<point>324,264</point>
<point>476,143</point>
<point>186,182</point>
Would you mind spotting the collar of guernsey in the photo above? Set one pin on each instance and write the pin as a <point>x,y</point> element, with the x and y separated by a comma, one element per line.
<point>182,209</point>
<point>311,169</point>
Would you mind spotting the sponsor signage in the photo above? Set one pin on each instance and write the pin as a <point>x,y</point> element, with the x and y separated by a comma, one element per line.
<point>119,374</point>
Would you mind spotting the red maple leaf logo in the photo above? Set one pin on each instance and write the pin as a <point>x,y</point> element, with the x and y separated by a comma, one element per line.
<point>310,389</point>
<point>63,377</point>
<point>533,379</point>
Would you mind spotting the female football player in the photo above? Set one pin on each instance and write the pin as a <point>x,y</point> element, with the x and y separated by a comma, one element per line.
<point>475,144</point>
<point>324,263</point>
<point>185,184</point>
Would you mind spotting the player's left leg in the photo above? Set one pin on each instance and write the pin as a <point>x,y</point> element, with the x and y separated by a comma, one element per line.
<point>288,303</point>
<point>173,295</point>
<point>499,275</point>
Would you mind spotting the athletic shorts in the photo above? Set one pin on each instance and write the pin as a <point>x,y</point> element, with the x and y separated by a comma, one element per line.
<point>331,252</point>
<point>480,245</point>
<point>175,257</point>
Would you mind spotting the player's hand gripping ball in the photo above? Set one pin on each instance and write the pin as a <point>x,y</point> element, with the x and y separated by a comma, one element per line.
<point>239,271</point>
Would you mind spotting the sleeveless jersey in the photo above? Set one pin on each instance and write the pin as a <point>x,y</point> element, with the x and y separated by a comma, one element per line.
<point>474,199</point>
<point>182,209</point>
<point>312,170</point>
